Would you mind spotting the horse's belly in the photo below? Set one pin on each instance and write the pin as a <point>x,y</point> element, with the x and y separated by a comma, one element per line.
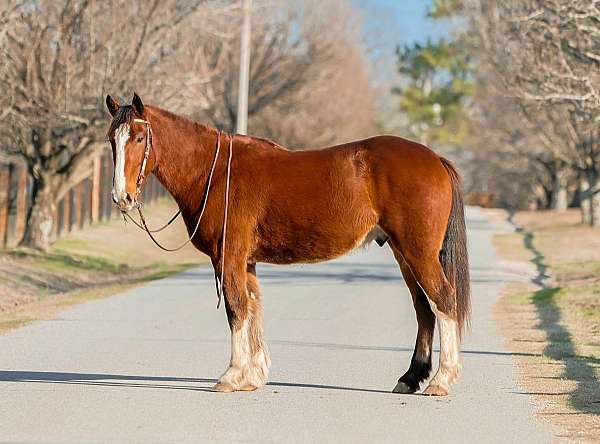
<point>314,245</point>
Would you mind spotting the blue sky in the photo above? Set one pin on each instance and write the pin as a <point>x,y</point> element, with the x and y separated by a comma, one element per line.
<point>408,18</point>
<point>389,23</point>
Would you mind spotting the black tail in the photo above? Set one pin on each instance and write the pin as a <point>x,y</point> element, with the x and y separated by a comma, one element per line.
<point>454,257</point>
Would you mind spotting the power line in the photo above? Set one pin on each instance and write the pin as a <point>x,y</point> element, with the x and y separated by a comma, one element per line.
<point>244,78</point>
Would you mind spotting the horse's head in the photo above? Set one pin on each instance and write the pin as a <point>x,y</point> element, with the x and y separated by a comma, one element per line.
<point>130,136</point>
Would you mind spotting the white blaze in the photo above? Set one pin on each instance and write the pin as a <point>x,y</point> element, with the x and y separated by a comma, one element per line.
<point>121,138</point>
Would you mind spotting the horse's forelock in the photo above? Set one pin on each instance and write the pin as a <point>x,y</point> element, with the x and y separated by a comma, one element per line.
<point>123,115</point>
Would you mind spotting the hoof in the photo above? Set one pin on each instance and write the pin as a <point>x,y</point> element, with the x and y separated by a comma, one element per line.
<point>223,388</point>
<point>436,390</point>
<point>248,388</point>
<point>402,387</point>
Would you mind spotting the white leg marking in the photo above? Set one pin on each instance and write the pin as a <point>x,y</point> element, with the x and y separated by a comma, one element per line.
<point>245,368</point>
<point>240,346</point>
<point>449,361</point>
<point>449,366</point>
<point>121,138</point>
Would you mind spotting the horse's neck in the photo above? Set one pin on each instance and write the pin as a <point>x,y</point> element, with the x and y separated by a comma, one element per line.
<point>185,151</point>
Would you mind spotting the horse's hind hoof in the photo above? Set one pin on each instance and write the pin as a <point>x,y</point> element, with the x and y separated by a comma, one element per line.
<point>248,388</point>
<point>223,387</point>
<point>436,390</point>
<point>404,388</point>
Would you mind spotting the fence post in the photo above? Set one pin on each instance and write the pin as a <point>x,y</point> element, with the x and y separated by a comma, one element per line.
<point>5,193</point>
<point>95,191</point>
<point>60,217</point>
<point>107,180</point>
<point>21,207</point>
<point>68,200</point>
<point>78,205</point>
<point>155,188</point>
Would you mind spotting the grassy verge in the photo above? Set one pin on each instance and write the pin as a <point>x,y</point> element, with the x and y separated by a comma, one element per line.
<point>555,325</point>
<point>95,262</point>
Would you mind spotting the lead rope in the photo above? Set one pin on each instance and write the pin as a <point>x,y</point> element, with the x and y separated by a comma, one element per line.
<point>220,286</point>
<point>143,220</point>
<point>157,230</point>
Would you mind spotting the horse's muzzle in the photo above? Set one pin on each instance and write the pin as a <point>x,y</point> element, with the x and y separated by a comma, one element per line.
<point>124,202</point>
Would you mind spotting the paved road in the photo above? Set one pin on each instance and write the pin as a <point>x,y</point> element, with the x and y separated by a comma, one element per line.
<point>137,367</point>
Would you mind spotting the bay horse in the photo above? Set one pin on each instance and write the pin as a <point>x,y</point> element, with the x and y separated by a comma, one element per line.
<point>305,206</point>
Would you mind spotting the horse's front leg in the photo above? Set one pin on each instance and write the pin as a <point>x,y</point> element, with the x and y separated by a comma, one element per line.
<point>249,364</point>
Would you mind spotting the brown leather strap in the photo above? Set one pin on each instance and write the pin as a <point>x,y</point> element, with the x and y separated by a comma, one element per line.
<point>206,193</point>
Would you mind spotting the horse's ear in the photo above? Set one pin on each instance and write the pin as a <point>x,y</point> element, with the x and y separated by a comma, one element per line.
<point>138,106</point>
<point>112,105</point>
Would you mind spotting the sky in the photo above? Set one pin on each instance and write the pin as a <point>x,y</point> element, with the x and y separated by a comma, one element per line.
<point>408,18</point>
<point>389,23</point>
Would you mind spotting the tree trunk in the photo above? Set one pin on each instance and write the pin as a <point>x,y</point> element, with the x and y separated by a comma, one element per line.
<point>40,232</point>
<point>540,197</point>
<point>559,201</point>
<point>585,211</point>
<point>595,210</point>
<point>590,204</point>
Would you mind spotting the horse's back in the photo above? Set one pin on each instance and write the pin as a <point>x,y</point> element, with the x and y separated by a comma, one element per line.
<point>397,169</point>
<point>319,204</point>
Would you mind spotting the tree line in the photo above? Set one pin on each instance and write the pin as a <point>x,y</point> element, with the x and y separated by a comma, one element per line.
<point>522,90</point>
<point>59,58</point>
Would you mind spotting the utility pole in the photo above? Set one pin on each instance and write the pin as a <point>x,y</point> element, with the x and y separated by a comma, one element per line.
<point>244,79</point>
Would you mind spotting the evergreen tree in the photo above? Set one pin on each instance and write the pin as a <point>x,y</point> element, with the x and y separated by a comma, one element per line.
<point>436,83</point>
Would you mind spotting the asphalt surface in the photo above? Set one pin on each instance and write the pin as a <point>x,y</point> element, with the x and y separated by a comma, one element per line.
<point>137,367</point>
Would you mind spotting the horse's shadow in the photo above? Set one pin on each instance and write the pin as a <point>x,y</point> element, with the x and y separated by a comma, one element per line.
<point>148,382</point>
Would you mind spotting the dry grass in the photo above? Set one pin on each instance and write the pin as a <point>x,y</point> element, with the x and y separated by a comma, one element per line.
<point>555,329</point>
<point>561,237</point>
<point>91,263</point>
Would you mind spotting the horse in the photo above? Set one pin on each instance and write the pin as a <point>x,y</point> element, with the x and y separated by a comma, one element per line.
<point>301,206</point>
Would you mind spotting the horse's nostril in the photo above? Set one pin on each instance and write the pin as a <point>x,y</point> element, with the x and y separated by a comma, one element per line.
<point>124,200</point>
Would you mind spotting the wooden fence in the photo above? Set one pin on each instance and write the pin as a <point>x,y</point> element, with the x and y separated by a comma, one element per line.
<point>86,203</point>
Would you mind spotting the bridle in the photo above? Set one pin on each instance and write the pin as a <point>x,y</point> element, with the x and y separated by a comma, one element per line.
<point>142,175</point>
<point>139,185</point>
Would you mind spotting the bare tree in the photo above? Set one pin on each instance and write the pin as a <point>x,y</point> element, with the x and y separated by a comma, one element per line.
<point>309,82</point>
<point>543,59</point>
<point>59,59</point>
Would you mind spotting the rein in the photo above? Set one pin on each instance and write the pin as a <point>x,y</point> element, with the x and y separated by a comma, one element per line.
<point>144,226</point>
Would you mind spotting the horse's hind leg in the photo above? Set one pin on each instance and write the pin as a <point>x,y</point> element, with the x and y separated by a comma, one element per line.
<point>249,364</point>
<point>421,255</point>
<point>420,363</point>
<point>441,296</point>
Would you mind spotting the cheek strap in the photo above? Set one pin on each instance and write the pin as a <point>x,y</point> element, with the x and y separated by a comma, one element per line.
<point>142,174</point>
